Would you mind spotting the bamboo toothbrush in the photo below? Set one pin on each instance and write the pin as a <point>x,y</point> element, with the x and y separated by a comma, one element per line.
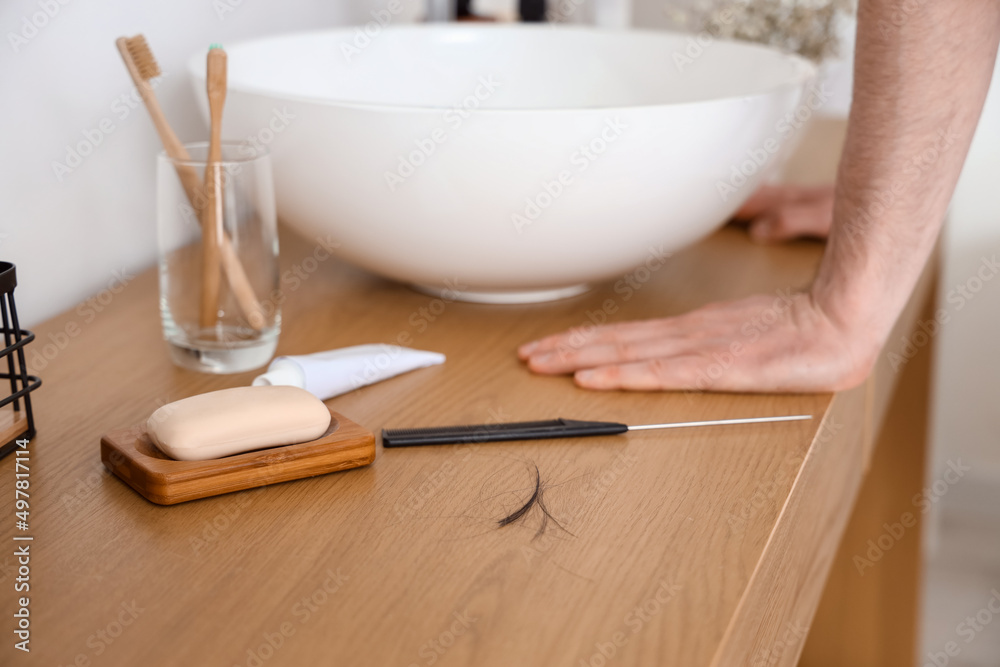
<point>142,67</point>
<point>211,224</point>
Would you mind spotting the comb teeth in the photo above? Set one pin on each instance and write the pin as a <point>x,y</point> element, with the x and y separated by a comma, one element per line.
<point>143,58</point>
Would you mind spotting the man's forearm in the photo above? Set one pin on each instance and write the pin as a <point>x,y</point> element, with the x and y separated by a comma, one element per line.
<point>922,70</point>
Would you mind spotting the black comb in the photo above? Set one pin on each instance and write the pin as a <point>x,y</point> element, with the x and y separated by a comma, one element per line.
<point>452,435</point>
<point>553,428</point>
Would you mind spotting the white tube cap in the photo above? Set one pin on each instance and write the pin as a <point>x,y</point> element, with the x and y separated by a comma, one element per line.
<point>280,375</point>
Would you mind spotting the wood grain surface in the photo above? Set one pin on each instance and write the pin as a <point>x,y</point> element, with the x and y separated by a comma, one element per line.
<point>692,547</point>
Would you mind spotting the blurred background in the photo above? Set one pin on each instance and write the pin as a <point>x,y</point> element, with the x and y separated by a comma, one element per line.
<point>77,186</point>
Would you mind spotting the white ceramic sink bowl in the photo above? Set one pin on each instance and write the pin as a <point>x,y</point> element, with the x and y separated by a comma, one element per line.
<point>509,164</point>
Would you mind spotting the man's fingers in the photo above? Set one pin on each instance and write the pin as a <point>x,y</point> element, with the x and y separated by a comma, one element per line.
<point>784,212</point>
<point>810,219</point>
<point>701,370</point>
<point>764,199</point>
<point>796,349</point>
<point>580,337</point>
<point>565,359</point>
<point>770,197</point>
<point>705,323</point>
<point>679,372</point>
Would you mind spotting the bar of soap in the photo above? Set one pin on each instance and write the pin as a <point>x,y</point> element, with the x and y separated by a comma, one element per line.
<point>231,421</point>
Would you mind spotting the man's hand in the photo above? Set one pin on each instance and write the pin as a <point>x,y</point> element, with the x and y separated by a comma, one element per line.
<point>755,344</point>
<point>920,79</point>
<point>759,344</point>
<point>777,213</point>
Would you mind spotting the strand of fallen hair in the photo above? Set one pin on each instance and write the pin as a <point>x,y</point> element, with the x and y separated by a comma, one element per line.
<point>511,518</point>
<point>545,510</point>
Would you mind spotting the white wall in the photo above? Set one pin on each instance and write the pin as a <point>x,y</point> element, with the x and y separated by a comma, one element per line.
<point>69,233</point>
<point>967,392</point>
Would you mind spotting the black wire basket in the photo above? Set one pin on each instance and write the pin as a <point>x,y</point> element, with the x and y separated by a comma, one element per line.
<point>20,422</point>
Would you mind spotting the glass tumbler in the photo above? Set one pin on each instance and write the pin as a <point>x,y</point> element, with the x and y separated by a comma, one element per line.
<point>218,258</point>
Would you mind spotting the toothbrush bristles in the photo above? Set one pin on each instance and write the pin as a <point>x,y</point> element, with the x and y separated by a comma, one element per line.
<point>143,58</point>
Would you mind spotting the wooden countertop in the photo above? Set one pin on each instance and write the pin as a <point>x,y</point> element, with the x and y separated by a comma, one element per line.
<point>704,546</point>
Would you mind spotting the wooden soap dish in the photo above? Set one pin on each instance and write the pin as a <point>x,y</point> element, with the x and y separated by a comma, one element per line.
<point>130,455</point>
